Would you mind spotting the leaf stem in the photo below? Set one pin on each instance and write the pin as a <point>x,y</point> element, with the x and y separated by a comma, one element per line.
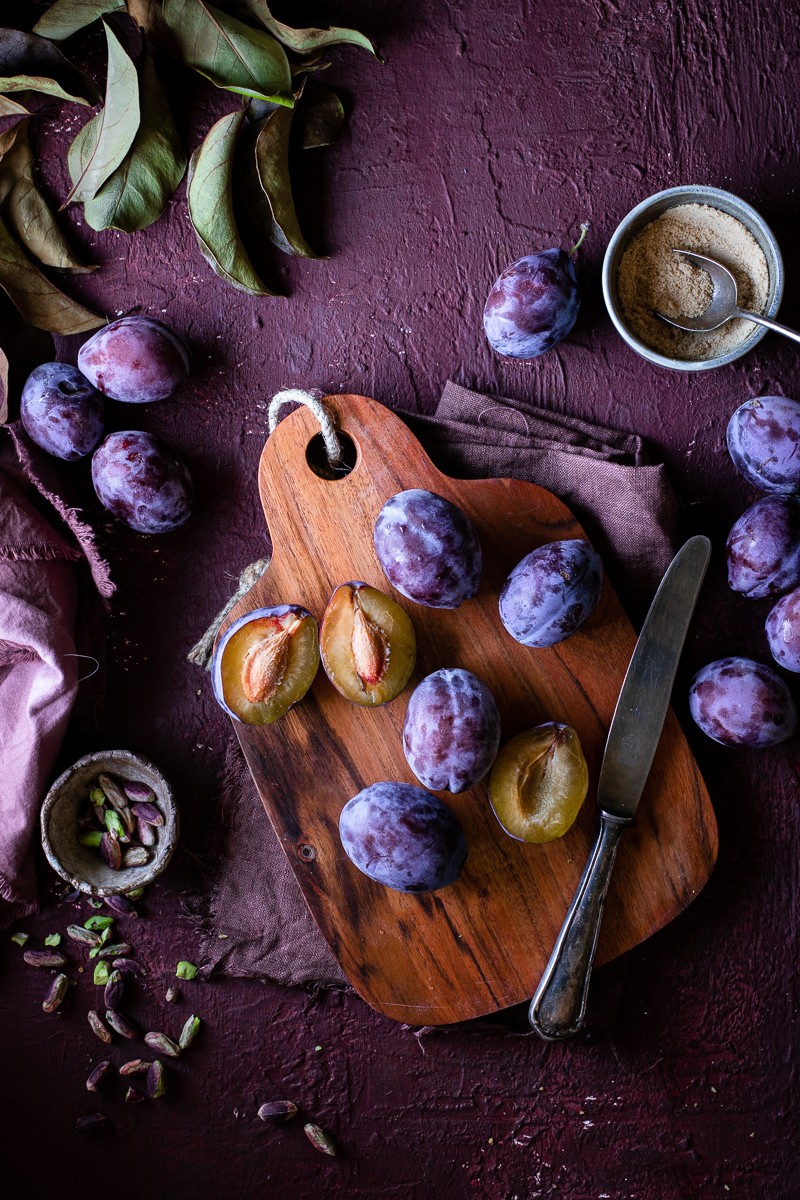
<point>579,243</point>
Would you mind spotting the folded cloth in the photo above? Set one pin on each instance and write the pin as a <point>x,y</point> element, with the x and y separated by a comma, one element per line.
<point>258,924</point>
<point>40,575</point>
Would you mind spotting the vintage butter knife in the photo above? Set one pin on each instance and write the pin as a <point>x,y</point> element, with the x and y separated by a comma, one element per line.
<point>559,1005</point>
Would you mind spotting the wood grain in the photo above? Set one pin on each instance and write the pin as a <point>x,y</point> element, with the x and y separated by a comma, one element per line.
<point>481,944</point>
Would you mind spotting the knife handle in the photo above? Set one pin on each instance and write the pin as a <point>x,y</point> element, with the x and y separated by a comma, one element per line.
<point>559,1005</point>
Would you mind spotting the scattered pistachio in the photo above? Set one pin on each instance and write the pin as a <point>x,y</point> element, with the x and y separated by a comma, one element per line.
<point>53,939</point>
<point>129,965</point>
<point>137,856</point>
<point>85,936</point>
<point>148,814</point>
<point>93,953</point>
<point>109,848</point>
<point>185,970</point>
<point>277,1110</point>
<point>98,1027</point>
<point>121,1024</point>
<point>134,1096</point>
<point>45,958</point>
<point>189,1032</point>
<point>163,1044</point>
<point>20,938</point>
<point>98,924</point>
<point>319,1140</point>
<point>136,894</point>
<point>101,973</point>
<point>156,1080</point>
<point>113,950</point>
<point>117,799</point>
<point>172,995</point>
<point>121,906</point>
<point>57,992</point>
<point>136,1066</point>
<point>92,1124</point>
<point>95,903</point>
<point>93,838</point>
<point>97,1075</point>
<point>97,796</point>
<point>115,988</point>
<point>137,792</point>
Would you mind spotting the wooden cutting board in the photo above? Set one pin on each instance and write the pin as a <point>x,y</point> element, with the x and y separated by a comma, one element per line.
<point>482,943</point>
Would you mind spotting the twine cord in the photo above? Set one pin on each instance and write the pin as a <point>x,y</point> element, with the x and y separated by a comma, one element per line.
<point>202,652</point>
<point>297,396</point>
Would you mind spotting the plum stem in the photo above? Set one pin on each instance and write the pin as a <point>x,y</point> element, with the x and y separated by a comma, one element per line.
<point>579,243</point>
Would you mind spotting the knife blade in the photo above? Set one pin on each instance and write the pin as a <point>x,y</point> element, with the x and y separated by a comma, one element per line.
<point>558,1007</point>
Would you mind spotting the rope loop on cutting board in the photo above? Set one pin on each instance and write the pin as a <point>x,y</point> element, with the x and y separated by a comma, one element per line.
<point>313,401</point>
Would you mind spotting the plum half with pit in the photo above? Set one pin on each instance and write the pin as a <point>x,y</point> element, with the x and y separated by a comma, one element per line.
<point>740,702</point>
<point>428,549</point>
<point>139,479</point>
<point>534,303</point>
<point>136,360</point>
<point>403,837</point>
<point>539,782</point>
<point>61,411</point>
<point>451,731</point>
<point>367,644</point>
<point>763,548</point>
<point>265,662</point>
<point>551,592</point>
<point>763,439</point>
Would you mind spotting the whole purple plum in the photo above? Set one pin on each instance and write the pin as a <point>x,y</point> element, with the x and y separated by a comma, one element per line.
<point>551,592</point>
<point>428,549</point>
<point>61,411</point>
<point>783,631</point>
<point>139,479</point>
<point>764,548</point>
<point>403,837</point>
<point>451,733</point>
<point>136,360</point>
<point>764,443</point>
<point>533,304</point>
<point>739,702</point>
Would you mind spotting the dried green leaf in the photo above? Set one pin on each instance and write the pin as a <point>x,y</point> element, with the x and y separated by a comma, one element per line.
<point>320,116</point>
<point>304,40</point>
<point>210,203</point>
<point>37,83</point>
<point>25,54</point>
<point>234,56</point>
<point>93,156</point>
<point>38,300</point>
<point>66,17</point>
<point>136,194</point>
<point>26,210</point>
<point>272,172</point>
<point>10,108</point>
<point>149,16</point>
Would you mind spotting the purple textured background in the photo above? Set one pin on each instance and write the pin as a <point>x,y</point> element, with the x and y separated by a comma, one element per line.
<point>491,131</point>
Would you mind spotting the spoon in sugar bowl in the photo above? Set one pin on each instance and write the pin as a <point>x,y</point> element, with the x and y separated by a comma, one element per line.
<point>724,302</point>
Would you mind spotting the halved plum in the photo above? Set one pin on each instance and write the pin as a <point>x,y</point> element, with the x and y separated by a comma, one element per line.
<point>265,663</point>
<point>539,782</point>
<point>367,644</point>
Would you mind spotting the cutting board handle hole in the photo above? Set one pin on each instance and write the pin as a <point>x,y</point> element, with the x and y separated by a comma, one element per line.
<point>317,457</point>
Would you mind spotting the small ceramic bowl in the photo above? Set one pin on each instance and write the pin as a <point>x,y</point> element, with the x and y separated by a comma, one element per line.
<point>648,211</point>
<point>82,866</point>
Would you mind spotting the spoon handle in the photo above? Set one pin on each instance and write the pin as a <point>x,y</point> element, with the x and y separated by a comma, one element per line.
<point>768,324</point>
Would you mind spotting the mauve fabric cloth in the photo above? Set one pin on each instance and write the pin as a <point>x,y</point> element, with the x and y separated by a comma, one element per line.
<point>38,676</point>
<point>258,924</point>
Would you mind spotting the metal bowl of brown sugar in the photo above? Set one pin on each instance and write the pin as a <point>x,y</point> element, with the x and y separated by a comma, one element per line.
<point>641,275</point>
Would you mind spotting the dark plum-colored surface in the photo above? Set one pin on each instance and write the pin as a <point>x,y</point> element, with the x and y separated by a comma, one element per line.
<point>489,133</point>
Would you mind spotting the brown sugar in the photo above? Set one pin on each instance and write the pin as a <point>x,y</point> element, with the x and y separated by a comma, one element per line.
<point>652,277</point>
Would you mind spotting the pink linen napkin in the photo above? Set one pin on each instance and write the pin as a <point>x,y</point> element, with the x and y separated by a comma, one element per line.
<point>39,588</point>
